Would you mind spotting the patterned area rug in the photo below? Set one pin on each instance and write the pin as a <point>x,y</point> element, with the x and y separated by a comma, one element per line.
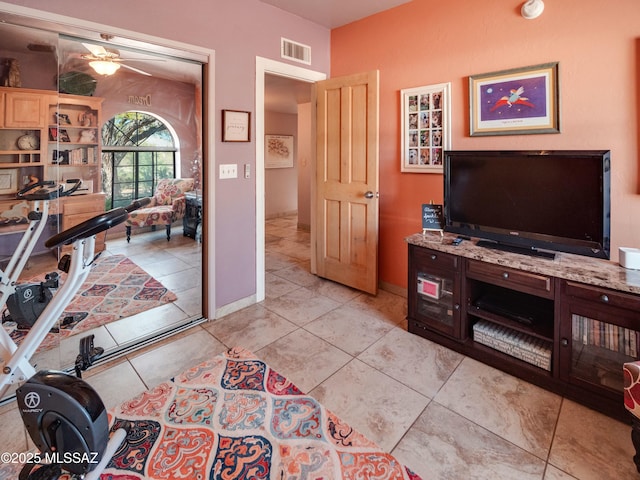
<point>233,417</point>
<point>115,288</point>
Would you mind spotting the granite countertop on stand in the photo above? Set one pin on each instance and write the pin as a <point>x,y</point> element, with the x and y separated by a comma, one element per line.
<point>587,270</point>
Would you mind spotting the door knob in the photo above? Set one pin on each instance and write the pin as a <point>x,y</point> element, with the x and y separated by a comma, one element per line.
<point>369,194</point>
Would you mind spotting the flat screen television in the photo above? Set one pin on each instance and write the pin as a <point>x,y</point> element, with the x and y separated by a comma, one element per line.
<point>535,202</point>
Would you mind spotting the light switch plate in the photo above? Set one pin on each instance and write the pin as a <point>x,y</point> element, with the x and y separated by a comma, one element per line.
<point>228,170</point>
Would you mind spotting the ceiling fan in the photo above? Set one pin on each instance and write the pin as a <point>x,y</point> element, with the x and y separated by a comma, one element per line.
<point>107,62</point>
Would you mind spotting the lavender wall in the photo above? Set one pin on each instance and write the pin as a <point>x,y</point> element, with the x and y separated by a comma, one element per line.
<point>304,153</point>
<point>238,31</point>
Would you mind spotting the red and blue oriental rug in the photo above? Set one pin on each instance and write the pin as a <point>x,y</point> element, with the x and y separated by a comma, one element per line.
<point>115,288</point>
<point>233,417</point>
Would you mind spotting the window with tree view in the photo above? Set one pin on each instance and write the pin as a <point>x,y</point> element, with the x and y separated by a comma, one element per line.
<point>138,151</point>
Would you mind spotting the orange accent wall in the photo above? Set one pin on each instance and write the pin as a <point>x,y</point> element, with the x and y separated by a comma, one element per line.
<point>426,42</point>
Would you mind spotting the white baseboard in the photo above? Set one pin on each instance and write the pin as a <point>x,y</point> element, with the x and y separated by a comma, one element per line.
<point>235,306</point>
<point>251,300</point>
<point>271,216</point>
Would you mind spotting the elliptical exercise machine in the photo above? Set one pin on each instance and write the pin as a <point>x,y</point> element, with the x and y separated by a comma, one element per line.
<point>64,416</point>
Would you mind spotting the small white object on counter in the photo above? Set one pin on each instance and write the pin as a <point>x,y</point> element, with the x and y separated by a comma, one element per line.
<point>629,258</point>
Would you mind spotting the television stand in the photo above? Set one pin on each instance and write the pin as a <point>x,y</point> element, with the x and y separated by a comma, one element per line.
<point>532,252</point>
<point>567,325</point>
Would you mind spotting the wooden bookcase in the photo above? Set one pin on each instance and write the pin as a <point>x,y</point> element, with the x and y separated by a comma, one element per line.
<point>63,143</point>
<point>73,129</point>
<point>22,114</point>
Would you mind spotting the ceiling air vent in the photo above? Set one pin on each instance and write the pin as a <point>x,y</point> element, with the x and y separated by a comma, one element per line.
<point>295,51</point>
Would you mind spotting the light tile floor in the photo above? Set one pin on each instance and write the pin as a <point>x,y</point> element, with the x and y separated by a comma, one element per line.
<point>444,415</point>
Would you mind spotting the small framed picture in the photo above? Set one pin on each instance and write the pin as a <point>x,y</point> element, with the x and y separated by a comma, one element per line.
<point>278,151</point>
<point>64,136</point>
<point>432,218</point>
<point>426,127</point>
<point>8,180</point>
<point>62,118</point>
<point>236,126</point>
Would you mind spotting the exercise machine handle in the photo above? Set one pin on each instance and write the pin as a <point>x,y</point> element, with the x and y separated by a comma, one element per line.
<point>47,190</point>
<point>77,183</point>
<point>95,225</point>
<point>42,190</point>
<point>88,228</point>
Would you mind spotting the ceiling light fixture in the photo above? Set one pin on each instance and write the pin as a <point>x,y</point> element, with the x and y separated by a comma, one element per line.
<point>104,67</point>
<point>532,9</point>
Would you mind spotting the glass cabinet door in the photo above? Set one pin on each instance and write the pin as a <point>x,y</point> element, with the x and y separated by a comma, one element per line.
<point>434,297</point>
<point>596,339</point>
<point>598,351</point>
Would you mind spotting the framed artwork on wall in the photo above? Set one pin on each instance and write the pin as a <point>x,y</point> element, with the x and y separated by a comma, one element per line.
<point>236,126</point>
<point>8,180</point>
<point>278,151</point>
<point>515,102</point>
<point>426,127</point>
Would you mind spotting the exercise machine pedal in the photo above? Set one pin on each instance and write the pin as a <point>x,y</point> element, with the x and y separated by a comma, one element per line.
<point>88,354</point>
<point>45,472</point>
<point>64,263</point>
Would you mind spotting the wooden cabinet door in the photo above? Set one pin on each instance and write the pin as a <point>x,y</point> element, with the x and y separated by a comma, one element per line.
<point>78,209</point>
<point>23,110</point>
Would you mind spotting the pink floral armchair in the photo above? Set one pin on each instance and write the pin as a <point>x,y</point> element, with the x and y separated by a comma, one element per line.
<point>167,205</point>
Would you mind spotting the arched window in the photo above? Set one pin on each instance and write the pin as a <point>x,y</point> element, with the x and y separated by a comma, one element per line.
<point>138,150</point>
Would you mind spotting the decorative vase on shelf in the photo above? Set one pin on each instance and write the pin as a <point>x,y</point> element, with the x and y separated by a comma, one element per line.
<point>12,74</point>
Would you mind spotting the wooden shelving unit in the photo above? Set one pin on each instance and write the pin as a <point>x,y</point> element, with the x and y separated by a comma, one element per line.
<point>74,139</point>
<point>51,136</point>
<point>22,137</point>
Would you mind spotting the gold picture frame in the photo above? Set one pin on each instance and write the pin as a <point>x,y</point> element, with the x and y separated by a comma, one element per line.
<point>519,101</point>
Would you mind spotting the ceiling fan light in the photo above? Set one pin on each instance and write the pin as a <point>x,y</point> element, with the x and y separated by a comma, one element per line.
<point>103,67</point>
